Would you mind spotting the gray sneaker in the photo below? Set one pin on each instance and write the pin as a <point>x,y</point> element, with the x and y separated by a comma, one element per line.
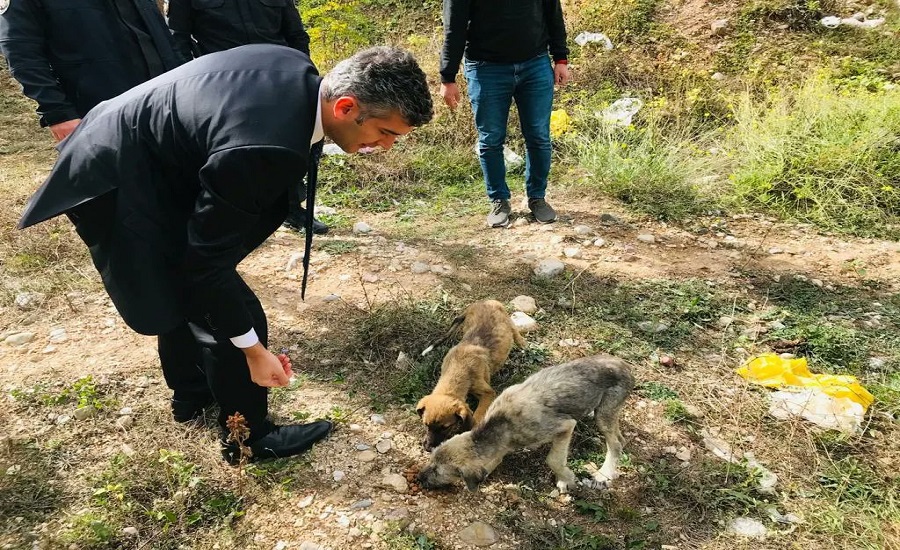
<point>499,216</point>
<point>542,211</point>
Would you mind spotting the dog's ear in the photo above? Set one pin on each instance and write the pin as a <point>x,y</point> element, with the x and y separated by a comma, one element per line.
<point>465,417</point>
<point>473,479</point>
<point>420,407</point>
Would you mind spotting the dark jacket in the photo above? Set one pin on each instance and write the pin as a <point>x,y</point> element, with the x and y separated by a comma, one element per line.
<point>199,161</point>
<point>218,25</point>
<point>69,55</point>
<point>501,31</point>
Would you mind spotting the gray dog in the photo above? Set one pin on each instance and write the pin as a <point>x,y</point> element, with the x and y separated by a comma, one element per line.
<point>542,409</point>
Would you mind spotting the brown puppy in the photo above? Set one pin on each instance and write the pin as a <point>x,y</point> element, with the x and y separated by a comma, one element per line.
<point>487,337</point>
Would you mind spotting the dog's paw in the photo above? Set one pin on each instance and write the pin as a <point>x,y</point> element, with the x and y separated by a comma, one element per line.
<point>564,486</point>
<point>596,484</point>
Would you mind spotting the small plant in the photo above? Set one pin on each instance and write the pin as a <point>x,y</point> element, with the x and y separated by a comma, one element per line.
<point>301,416</point>
<point>656,391</point>
<point>596,511</point>
<point>338,415</point>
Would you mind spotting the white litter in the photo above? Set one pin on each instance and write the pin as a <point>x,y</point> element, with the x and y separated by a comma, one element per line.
<point>513,159</point>
<point>621,111</point>
<point>588,37</point>
<point>819,408</point>
<point>332,149</point>
<point>833,22</point>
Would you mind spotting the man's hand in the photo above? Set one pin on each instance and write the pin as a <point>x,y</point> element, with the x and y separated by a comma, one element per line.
<point>63,129</point>
<point>266,369</point>
<point>561,74</point>
<point>450,93</point>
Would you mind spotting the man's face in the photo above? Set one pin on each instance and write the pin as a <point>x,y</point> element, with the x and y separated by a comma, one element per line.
<point>346,130</point>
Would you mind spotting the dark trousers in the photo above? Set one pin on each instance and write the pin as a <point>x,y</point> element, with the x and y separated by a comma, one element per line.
<point>197,360</point>
<point>296,195</point>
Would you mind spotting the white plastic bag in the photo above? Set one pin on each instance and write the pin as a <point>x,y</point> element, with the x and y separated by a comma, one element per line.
<point>621,111</point>
<point>588,37</point>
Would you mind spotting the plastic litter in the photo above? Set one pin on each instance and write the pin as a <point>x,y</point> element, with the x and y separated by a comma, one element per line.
<point>588,37</point>
<point>332,149</point>
<point>621,111</point>
<point>513,159</point>
<point>747,527</point>
<point>833,22</point>
<point>559,122</point>
<point>827,400</point>
<point>721,449</point>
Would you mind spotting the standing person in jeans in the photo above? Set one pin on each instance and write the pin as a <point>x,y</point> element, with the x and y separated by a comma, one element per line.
<point>206,26</point>
<point>506,45</point>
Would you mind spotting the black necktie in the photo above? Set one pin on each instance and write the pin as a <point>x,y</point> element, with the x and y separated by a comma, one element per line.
<point>315,153</point>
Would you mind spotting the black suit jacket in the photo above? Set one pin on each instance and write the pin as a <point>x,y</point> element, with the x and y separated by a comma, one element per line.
<point>198,161</point>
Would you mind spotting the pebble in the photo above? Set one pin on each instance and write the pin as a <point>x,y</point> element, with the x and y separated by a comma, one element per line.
<point>583,230</point>
<point>306,502</point>
<point>331,298</point>
<point>573,252</point>
<point>306,545</point>
<point>355,428</point>
<point>523,322</point>
<point>370,278</point>
<point>396,482</point>
<point>378,419</point>
<point>19,339</point>
<point>292,262</point>
<point>608,218</point>
<point>653,327</point>
<point>130,531</point>
<point>85,412</point>
<point>62,419</point>
<point>556,239</point>
<point>646,238</point>
<point>124,422</point>
<point>525,304</point>
<point>126,411</point>
<point>776,250</point>
<point>600,242</point>
<point>338,475</point>
<point>361,504</point>
<point>362,228</point>
<point>420,267</point>
<point>362,447</point>
<point>28,300</point>
<point>58,335</point>
<point>383,446</point>
<point>479,534</point>
<point>549,268</point>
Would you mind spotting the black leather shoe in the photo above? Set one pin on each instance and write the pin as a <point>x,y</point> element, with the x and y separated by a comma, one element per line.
<point>191,409</point>
<point>296,222</point>
<point>281,442</point>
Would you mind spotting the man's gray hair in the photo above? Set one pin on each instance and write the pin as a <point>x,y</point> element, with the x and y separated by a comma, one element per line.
<point>383,79</point>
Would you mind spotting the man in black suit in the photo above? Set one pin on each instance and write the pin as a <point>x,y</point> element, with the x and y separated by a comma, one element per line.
<point>174,182</point>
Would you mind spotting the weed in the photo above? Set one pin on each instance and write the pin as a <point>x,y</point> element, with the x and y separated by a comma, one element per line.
<point>337,247</point>
<point>338,415</point>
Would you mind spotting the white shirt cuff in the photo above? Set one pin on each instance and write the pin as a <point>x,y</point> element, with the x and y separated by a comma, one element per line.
<point>245,340</point>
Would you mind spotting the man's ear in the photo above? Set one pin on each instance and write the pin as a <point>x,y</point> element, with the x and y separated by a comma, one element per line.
<point>345,107</point>
<point>473,479</point>
<point>420,407</point>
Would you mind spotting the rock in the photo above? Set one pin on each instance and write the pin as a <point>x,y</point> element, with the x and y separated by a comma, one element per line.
<point>646,238</point>
<point>62,419</point>
<point>521,221</point>
<point>361,228</point>
<point>396,482</point>
<point>600,242</point>
<point>525,304</point>
<point>479,534</point>
<point>776,325</point>
<point>370,278</point>
<point>58,335</point>
<point>383,446</point>
<point>343,521</point>
<point>667,361</point>
<point>292,262</point>
<point>355,428</point>
<point>719,27</point>
<point>747,527</point>
<point>124,422</point>
<point>378,419</point>
<point>653,326</point>
<point>130,531</point>
<point>573,252</point>
<point>280,545</point>
<point>126,411</point>
<point>49,349</point>
<point>549,268</point>
<point>306,502</point>
<point>683,454</point>
<point>361,504</point>
<point>608,218</point>
<point>28,300</point>
<point>420,267</point>
<point>19,338</point>
<point>306,545</point>
<point>362,447</point>
<point>718,77</point>
<point>523,322</point>
<point>331,298</point>
<point>338,475</point>
<point>557,239</point>
<point>127,450</point>
<point>776,250</point>
<point>322,210</point>
<point>583,230</point>
<point>726,321</point>
<point>85,412</point>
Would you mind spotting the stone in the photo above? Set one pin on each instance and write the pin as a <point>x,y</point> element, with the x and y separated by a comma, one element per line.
<point>19,338</point>
<point>361,504</point>
<point>331,298</point>
<point>396,482</point>
<point>292,262</point>
<point>62,419</point>
<point>280,545</point>
<point>124,422</point>
<point>608,218</point>
<point>420,267</point>
<point>306,502</point>
<point>583,230</point>
<point>525,304</point>
<point>126,411</point>
<point>85,412</point>
<point>370,278</point>
<point>599,242</point>
<point>718,77</point>
<point>549,268</point>
<point>683,454</point>
<point>726,321</point>
<point>646,238</point>
<point>28,300</point>
<point>130,531</point>
<point>58,335</point>
<point>573,252</point>
<point>557,239</point>
<point>338,475</point>
<point>747,527</point>
<point>523,322</point>
<point>378,419</point>
<point>775,250</point>
<point>306,545</point>
<point>355,428</point>
<point>362,228</point>
<point>719,27</point>
<point>479,534</point>
<point>383,446</point>
<point>776,325</point>
<point>362,447</point>
<point>653,326</point>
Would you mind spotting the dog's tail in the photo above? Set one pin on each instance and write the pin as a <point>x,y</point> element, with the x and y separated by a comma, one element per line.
<point>454,326</point>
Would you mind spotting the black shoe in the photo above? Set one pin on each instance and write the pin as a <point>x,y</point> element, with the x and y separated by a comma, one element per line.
<point>190,409</point>
<point>542,211</point>
<point>281,442</point>
<point>297,222</point>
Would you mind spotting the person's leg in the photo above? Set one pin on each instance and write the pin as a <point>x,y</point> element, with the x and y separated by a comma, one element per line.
<point>490,87</point>
<point>182,365</point>
<point>534,100</point>
<point>296,217</point>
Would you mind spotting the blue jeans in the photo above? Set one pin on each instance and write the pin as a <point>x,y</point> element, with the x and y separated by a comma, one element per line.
<point>492,87</point>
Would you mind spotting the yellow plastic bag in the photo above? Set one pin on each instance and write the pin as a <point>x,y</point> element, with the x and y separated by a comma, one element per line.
<point>559,122</point>
<point>772,371</point>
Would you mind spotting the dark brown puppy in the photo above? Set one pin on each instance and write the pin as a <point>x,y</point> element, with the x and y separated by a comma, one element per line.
<point>487,337</point>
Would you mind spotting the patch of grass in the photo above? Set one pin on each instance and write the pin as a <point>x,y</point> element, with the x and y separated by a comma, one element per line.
<point>30,486</point>
<point>396,538</point>
<point>823,157</point>
<point>337,247</point>
<point>83,392</point>
<point>656,391</point>
<point>626,21</point>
